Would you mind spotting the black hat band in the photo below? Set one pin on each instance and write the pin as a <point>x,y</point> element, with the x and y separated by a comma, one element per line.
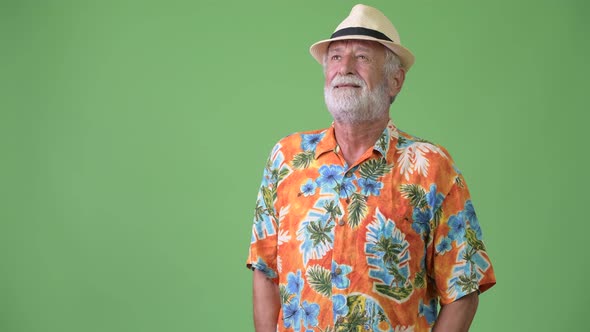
<point>360,31</point>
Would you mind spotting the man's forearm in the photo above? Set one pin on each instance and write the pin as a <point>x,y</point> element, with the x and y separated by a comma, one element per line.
<point>457,316</point>
<point>266,303</point>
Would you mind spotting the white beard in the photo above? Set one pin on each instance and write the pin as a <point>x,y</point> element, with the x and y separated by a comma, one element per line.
<point>355,105</point>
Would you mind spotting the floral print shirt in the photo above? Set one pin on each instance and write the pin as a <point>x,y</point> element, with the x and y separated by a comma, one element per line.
<point>373,246</point>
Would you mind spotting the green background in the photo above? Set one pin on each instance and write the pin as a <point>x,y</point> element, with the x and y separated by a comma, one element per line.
<point>133,135</point>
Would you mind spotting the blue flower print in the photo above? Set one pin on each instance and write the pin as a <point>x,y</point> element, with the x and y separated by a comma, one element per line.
<point>428,311</point>
<point>370,187</point>
<point>443,246</point>
<point>310,314</point>
<point>338,274</point>
<point>422,216</point>
<point>347,187</point>
<point>421,221</point>
<point>330,176</point>
<point>434,199</point>
<point>472,217</point>
<point>457,225</point>
<point>308,188</point>
<point>292,314</point>
<point>310,141</point>
<point>339,306</point>
<point>294,283</point>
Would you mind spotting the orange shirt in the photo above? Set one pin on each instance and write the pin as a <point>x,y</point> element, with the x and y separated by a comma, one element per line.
<point>372,246</point>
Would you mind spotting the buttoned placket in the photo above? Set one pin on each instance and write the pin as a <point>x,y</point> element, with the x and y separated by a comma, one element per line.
<point>342,230</point>
<point>344,234</point>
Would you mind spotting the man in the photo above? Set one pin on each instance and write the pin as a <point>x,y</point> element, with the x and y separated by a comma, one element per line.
<point>361,226</point>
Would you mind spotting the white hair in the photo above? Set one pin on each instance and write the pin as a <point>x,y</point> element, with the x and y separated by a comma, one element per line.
<point>391,67</point>
<point>392,63</point>
<point>355,106</point>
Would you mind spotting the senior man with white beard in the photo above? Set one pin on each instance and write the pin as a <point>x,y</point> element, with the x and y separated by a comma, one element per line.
<point>361,226</point>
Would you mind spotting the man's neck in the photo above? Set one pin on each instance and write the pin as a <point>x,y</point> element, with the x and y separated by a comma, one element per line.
<point>355,138</point>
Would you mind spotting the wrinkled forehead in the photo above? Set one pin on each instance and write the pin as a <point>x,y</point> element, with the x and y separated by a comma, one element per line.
<point>357,44</point>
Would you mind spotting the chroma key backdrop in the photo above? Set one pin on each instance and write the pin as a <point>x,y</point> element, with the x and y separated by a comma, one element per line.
<point>133,137</point>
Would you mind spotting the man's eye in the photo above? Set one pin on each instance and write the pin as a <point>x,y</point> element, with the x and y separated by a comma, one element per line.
<point>335,57</point>
<point>362,57</point>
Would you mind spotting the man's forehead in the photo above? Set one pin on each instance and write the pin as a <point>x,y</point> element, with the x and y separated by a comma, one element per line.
<point>370,45</point>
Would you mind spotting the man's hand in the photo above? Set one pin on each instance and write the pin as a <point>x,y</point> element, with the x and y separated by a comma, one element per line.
<point>457,316</point>
<point>266,302</point>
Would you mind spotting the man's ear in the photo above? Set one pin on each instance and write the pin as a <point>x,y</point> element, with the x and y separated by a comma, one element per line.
<point>396,82</point>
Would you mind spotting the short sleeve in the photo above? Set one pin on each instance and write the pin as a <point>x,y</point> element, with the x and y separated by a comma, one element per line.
<point>262,255</point>
<point>460,264</point>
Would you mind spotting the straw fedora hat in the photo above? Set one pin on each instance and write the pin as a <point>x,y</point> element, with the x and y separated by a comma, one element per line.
<point>366,23</point>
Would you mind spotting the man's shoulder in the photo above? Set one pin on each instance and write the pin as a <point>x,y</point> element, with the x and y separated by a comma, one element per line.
<point>295,139</point>
<point>422,160</point>
<point>299,134</point>
<point>295,143</point>
<point>409,141</point>
<point>404,135</point>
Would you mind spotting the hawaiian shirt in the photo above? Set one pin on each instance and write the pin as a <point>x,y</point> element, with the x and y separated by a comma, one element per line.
<point>373,246</point>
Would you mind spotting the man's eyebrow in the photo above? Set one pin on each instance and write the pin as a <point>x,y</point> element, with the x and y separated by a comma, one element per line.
<point>365,49</point>
<point>359,48</point>
<point>335,49</point>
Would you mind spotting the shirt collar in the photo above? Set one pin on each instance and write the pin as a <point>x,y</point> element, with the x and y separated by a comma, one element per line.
<point>328,142</point>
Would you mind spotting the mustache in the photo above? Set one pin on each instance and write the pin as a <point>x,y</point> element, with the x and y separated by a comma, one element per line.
<point>347,80</point>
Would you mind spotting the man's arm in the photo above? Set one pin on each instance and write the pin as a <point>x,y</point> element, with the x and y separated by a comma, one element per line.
<point>266,303</point>
<point>457,316</point>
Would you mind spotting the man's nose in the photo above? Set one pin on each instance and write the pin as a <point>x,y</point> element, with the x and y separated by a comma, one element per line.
<point>346,65</point>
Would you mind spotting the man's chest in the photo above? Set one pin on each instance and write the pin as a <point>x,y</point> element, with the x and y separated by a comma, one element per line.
<point>361,216</point>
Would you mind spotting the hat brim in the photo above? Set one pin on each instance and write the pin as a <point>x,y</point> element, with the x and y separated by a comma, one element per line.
<point>320,48</point>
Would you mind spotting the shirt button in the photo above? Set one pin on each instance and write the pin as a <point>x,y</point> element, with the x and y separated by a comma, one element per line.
<point>349,174</point>
<point>338,271</point>
<point>341,222</point>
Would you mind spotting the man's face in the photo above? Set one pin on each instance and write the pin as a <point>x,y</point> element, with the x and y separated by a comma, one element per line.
<point>364,59</point>
<point>355,88</point>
